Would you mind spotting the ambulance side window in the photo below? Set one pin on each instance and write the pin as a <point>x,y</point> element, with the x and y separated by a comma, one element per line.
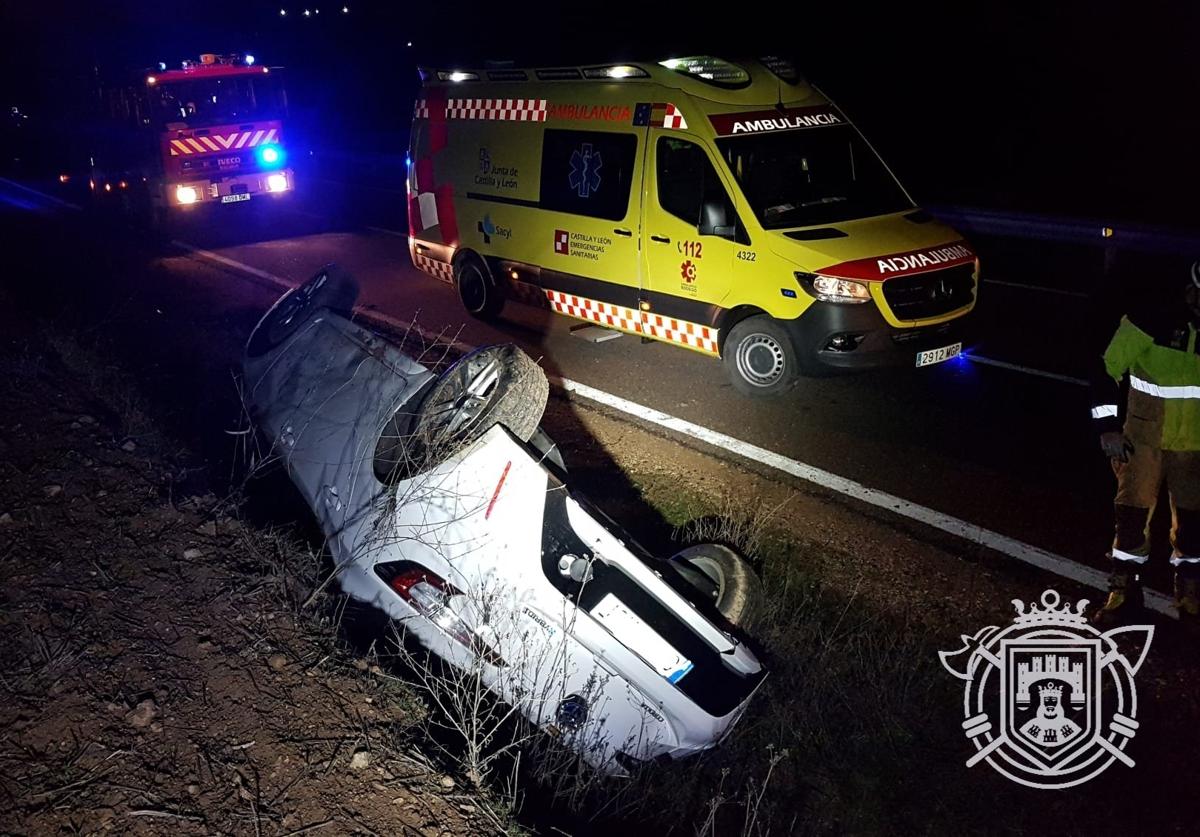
<point>587,172</point>
<point>689,189</point>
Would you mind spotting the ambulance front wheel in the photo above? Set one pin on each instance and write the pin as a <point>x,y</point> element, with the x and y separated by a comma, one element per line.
<point>482,297</point>
<point>760,357</point>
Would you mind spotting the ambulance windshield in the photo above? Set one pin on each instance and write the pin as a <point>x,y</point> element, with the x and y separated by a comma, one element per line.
<point>810,177</point>
<point>212,101</point>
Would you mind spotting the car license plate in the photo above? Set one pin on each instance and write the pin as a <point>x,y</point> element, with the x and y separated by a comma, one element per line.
<point>246,197</point>
<point>938,355</point>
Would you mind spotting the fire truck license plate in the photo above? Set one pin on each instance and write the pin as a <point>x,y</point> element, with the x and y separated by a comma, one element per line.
<point>938,355</point>
<point>246,197</point>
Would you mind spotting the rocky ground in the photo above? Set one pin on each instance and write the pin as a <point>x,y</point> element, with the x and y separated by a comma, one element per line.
<point>158,673</point>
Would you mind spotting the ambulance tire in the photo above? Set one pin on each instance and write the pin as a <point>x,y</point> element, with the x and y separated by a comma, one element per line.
<point>726,579</point>
<point>492,385</point>
<point>760,357</point>
<point>480,294</point>
<point>331,287</point>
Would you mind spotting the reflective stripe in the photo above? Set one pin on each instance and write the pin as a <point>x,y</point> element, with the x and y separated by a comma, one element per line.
<point>1104,411</point>
<point>1121,555</point>
<point>1176,560</point>
<point>1163,392</point>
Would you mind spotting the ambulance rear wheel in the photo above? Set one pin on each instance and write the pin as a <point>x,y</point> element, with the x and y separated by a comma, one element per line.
<point>759,357</point>
<point>482,297</point>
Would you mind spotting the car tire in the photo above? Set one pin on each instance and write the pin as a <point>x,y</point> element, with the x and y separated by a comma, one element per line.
<point>478,292</point>
<point>332,287</point>
<point>725,579</point>
<point>492,385</point>
<point>760,357</point>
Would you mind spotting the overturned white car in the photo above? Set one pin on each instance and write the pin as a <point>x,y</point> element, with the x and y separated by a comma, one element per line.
<point>445,506</point>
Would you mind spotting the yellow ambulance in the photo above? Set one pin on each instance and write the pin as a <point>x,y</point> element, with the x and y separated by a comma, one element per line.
<point>726,207</point>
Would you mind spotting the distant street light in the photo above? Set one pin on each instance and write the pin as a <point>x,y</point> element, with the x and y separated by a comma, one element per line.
<point>345,10</point>
<point>283,12</point>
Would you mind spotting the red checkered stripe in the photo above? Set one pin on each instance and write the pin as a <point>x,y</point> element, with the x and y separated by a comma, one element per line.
<point>421,109</point>
<point>700,337</point>
<point>673,118</point>
<point>436,269</point>
<point>504,110</point>
<point>681,331</point>
<point>221,142</point>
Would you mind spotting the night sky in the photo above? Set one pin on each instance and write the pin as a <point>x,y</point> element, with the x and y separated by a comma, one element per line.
<point>1072,108</point>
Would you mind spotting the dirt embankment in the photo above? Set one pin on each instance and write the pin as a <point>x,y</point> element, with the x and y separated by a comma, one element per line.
<point>157,674</point>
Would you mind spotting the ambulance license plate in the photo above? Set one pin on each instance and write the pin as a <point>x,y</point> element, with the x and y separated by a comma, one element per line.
<point>246,197</point>
<point>938,355</point>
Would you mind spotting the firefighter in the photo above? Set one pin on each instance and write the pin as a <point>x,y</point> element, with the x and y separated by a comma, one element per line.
<point>1159,442</point>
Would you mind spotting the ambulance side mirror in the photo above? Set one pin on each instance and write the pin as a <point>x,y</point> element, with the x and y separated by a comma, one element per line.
<point>715,218</point>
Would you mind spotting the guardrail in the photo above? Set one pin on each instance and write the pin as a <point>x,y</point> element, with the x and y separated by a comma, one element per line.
<point>1106,235</point>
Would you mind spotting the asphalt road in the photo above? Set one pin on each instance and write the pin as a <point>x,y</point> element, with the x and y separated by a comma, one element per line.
<point>1003,448</point>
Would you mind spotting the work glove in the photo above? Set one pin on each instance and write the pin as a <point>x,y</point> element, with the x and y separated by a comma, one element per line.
<point>1116,446</point>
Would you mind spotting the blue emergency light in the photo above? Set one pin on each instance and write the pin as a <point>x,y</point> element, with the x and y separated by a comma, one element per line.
<point>270,156</point>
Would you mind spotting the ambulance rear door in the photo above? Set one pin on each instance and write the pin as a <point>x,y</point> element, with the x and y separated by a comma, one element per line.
<point>590,181</point>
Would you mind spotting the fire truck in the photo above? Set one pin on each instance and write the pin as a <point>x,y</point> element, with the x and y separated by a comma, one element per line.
<point>208,133</point>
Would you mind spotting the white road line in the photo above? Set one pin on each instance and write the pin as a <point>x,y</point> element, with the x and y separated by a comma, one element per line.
<point>350,185</point>
<point>74,207</point>
<point>1040,373</point>
<point>386,231</point>
<point>1026,553</point>
<point>278,281</point>
<point>1023,552</point>
<point>1019,550</point>
<point>1041,288</point>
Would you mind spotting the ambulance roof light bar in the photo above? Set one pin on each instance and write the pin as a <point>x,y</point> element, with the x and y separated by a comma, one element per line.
<point>707,68</point>
<point>617,71</point>
<point>607,72</point>
<point>783,68</point>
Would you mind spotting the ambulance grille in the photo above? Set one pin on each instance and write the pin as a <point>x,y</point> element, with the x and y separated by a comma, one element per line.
<point>930,294</point>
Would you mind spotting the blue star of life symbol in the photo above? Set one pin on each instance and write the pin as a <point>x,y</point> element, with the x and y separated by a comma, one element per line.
<point>585,170</point>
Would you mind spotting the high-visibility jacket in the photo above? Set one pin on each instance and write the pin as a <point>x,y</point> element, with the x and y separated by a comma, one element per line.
<point>1162,359</point>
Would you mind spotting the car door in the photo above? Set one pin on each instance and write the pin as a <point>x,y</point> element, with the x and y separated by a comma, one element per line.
<point>692,234</point>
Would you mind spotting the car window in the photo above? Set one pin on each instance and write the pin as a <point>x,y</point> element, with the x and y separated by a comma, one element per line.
<point>687,182</point>
<point>588,172</point>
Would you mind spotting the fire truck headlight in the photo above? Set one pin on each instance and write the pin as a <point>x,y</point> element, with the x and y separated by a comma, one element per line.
<point>186,194</point>
<point>277,183</point>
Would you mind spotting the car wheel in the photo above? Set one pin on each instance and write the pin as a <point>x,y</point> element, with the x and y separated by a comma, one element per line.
<point>724,578</point>
<point>759,357</point>
<point>332,288</point>
<point>482,297</point>
<point>492,385</point>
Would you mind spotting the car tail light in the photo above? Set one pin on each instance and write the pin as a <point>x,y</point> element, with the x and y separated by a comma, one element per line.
<point>430,595</point>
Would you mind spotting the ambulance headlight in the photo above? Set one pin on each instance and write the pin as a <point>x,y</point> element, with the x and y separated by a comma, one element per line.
<point>186,194</point>
<point>277,183</point>
<point>833,289</point>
